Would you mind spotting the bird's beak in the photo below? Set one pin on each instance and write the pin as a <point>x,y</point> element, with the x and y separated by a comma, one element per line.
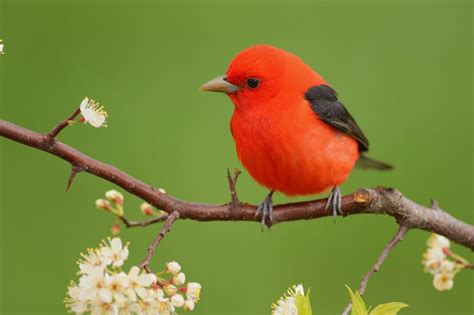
<point>219,84</point>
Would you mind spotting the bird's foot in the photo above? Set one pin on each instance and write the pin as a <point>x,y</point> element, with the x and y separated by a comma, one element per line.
<point>335,201</point>
<point>266,208</point>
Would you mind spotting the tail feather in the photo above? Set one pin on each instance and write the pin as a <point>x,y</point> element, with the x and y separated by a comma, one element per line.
<point>365,162</point>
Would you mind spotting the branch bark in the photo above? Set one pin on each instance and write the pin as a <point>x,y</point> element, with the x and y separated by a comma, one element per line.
<point>129,224</point>
<point>164,229</point>
<point>376,201</point>
<point>63,124</point>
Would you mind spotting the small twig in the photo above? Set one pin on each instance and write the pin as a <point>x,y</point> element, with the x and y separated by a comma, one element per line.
<point>235,202</point>
<point>458,259</point>
<point>63,124</point>
<point>434,204</point>
<point>74,171</point>
<point>130,224</point>
<point>164,229</point>
<point>402,230</point>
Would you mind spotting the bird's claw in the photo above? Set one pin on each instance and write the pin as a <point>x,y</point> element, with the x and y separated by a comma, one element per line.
<point>266,208</point>
<point>335,201</point>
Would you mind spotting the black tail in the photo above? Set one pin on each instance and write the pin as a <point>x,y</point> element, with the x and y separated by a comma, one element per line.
<point>365,162</point>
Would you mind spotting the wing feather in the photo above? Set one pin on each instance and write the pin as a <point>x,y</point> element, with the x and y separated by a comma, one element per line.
<point>323,101</point>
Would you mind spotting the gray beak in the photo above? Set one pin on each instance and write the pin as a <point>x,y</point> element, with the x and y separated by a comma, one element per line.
<point>219,84</point>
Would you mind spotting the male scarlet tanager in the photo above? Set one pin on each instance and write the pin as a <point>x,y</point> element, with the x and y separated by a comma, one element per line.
<point>291,132</point>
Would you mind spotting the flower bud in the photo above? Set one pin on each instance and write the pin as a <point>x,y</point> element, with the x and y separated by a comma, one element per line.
<point>114,196</point>
<point>170,289</point>
<point>193,291</point>
<point>115,228</point>
<point>161,213</point>
<point>188,305</point>
<point>177,300</point>
<point>173,267</point>
<point>443,281</point>
<point>103,205</point>
<point>147,209</point>
<point>438,241</point>
<point>179,279</point>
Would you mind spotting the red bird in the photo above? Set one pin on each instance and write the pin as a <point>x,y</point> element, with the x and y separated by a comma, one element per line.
<point>291,132</point>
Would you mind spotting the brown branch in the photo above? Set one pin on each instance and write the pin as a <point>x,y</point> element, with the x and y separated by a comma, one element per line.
<point>130,224</point>
<point>234,198</point>
<point>402,230</point>
<point>72,175</point>
<point>63,124</point>
<point>376,201</point>
<point>165,229</point>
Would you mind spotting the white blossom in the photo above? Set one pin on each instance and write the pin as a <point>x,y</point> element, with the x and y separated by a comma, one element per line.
<point>177,300</point>
<point>113,253</point>
<point>91,260</point>
<point>441,262</point>
<point>94,114</point>
<point>116,285</point>
<point>179,279</point>
<point>432,259</point>
<point>138,283</point>
<point>438,241</point>
<point>114,196</point>
<point>285,307</point>
<point>76,301</point>
<point>173,267</point>
<point>170,289</point>
<point>298,290</point>
<point>188,305</point>
<point>104,289</point>
<point>286,304</point>
<point>92,283</point>
<point>2,46</point>
<point>193,291</point>
<point>443,281</point>
<point>447,266</point>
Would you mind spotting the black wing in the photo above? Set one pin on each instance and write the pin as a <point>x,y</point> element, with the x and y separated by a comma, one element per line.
<point>323,101</point>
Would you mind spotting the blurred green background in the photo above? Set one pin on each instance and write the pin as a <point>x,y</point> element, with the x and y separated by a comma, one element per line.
<point>403,69</point>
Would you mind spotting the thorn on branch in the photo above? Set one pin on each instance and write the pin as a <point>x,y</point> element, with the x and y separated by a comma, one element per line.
<point>235,202</point>
<point>145,264</point>
<point>434,204</point>
<point>63,124</point>
<point>74,171</point>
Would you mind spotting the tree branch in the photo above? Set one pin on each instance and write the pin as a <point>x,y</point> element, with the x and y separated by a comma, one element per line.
<point>130,224</point>
<point>234,198</point>
<point>376,201</point>
<point>402,230</point>
<point>63,124</point>
<point>165,229</point>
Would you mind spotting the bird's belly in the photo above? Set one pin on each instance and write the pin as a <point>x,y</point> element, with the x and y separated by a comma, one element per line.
<point>296,159</point>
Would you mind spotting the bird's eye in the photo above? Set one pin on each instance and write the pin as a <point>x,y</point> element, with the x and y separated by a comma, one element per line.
<point>253,83</point>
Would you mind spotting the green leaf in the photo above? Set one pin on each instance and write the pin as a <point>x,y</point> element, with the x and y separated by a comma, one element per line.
<point>358,305</point>
<point>303,304</point>
<point>388,308</point>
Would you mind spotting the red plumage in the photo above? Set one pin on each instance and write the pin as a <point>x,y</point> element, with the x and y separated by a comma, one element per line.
<point>280,140</point>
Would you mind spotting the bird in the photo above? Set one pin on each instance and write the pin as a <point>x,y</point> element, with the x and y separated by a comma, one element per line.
<point>291,132</point>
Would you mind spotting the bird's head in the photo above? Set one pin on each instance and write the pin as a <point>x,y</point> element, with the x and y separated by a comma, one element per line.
<point>261,73</point>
